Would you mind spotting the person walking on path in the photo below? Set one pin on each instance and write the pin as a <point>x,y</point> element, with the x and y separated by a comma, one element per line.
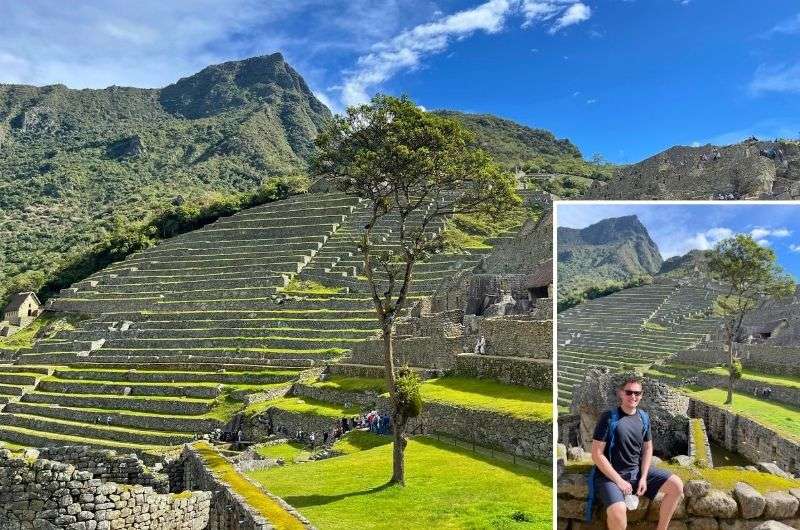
<point>622,450</point>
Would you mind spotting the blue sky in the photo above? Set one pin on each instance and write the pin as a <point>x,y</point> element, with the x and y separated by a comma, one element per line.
<point>623,78</point>
<point>678,228</point>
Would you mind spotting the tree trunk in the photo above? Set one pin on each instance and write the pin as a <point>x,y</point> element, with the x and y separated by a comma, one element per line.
<point>729,339</point>
<point>398,424</point>
<point>399,450</point>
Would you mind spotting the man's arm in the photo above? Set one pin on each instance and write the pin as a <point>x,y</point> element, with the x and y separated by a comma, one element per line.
<point>647,459</point>
<point>607,469</point>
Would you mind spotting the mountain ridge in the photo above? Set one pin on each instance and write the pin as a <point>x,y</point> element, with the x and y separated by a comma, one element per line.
<point>612,250</point>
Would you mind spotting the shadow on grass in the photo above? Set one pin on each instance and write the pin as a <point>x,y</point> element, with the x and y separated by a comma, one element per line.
<point>545,478</point>
<point>304,501</point>
<point>365,440</point>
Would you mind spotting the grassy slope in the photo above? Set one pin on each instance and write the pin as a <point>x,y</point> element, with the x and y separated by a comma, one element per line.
<point>267,507</point>
<point>782,418</point>
<point>446,488</point>
<point>485,394</point>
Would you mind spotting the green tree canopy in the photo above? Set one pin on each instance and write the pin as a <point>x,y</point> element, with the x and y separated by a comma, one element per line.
<point>415,168</point>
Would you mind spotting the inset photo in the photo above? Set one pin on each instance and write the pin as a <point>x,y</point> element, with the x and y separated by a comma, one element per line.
<point>678,365</point>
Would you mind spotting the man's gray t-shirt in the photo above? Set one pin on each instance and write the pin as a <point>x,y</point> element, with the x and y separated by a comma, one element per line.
<point>628,440</point>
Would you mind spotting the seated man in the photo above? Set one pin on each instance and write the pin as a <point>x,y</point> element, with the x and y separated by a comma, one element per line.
<point>623,459</point>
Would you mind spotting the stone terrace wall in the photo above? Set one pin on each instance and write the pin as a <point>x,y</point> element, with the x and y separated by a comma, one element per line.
<point>782,394</point>
<point>755,442</point>
<point>44,494</point>
<point>701,508</point>
<point>530,374</point>
<point>514,336</point>
<point>525,438</point>
<point>228,511</point>
<point>758,357</point>
<point>108,466</point>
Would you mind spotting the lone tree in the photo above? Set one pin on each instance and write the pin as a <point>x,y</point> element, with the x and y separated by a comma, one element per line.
<point>415,169</point>
<point>751,274</point>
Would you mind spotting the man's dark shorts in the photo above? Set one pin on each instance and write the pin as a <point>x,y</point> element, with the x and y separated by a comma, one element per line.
<point>609,493</point>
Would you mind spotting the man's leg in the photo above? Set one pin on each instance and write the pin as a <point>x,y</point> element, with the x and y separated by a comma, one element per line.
<point>672,490</point>
<point>617,516</point>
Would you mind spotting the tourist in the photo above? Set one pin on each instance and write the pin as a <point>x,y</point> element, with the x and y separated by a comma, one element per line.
<point>622,450</point>
<point>480,346</point>
<point>312,439</point>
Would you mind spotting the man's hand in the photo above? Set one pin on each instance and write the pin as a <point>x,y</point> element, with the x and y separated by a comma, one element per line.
<point>625,486</point>
<point>642,488</point>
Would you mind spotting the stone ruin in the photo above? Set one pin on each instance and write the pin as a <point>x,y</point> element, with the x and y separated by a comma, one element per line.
<point>83,488</point>
<point>749,170</point>
<point>702,506</point>
<point>72,493</point>
<point>667,408</point>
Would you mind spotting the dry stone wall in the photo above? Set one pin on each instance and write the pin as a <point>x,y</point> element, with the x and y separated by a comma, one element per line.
<point>36,493</point>
<point>701,507</point>
<point>525,438</point>
<point>228,510</point>
<point>107,465</point>
<point>758,357</point>
<point>742,435</point>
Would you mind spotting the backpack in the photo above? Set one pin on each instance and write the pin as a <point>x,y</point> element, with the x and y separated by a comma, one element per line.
<point>613,420</point>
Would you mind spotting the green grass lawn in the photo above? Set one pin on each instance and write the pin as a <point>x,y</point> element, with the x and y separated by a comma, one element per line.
<point>447,488</point>
<point>485,394</point>
<point>353,384</point>
<point>751,375</point>
<point>267,507</point>
<point>304,406</point>
<point>288,451</point>
<point>782,418</point>
<point>27,336</point>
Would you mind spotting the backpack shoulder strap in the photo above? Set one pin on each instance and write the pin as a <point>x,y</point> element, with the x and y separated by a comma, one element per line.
<point>613,420</point>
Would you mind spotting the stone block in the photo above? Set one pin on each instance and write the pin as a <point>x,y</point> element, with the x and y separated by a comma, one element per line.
<point>772,525</point>
<point>751,502</point>
<point>571,508</point>
<point>655,506</point>
<point>715,503</point>
<point>703,523</point>
<point>573,485</point>
<point>696,488</point>
<point>780,505</point>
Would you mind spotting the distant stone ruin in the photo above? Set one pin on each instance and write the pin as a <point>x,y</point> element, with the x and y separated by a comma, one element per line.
<point>752,169</point>
<point>23,309</point>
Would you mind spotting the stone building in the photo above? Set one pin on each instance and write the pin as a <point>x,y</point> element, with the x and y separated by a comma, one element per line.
<point>20,311</point>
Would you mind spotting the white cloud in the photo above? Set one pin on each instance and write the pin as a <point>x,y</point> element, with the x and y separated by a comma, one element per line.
<point>794,248</point>
<point>759,232</point>
<point>408,49</point>
<point>776,78</point>
<point>575,14</point>
<point>786,27</point>
<point>704,240</point>
<point>591,101</point>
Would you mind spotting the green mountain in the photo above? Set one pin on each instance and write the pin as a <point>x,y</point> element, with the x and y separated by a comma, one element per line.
<point>510,143</point>
<point>73,161</point>
<point>616,250</point>
<point>693,263</point>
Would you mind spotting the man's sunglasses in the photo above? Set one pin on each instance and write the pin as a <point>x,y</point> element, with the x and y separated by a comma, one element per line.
<point>633,392</point>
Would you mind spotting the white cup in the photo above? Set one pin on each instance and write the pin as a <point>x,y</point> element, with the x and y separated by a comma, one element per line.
<point>631,502</point>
